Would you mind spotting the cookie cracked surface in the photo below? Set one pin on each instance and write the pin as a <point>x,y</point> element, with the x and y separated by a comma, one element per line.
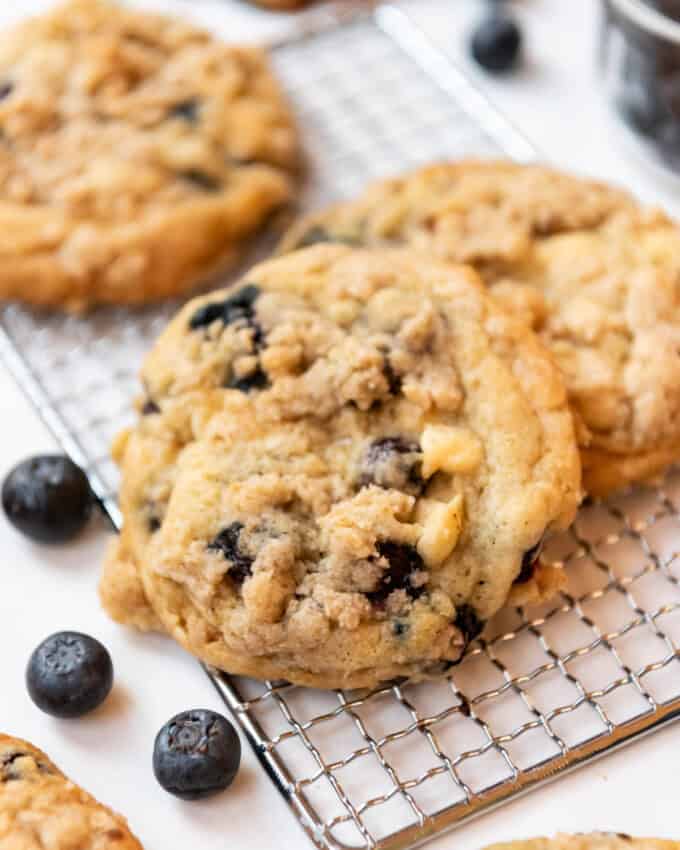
<point>598,275</point>
<point>348,458</point>
<point>137,155</point>
<point>40,809</point>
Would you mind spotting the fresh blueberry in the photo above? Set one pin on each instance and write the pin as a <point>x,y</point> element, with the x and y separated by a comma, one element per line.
<point>69,674</point>
<point>402,562</point>
<point>196,754</point>
<point>47,498</point>
<point>496,43</point>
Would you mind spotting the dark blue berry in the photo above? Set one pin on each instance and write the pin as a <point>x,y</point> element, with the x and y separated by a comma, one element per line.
<point>6,89</point>
<point>69,674</point>
<point>496,43</point>
<point>227,542</point>
<point>196,754</point>
<point>47,498</point>
<point>403,561</point>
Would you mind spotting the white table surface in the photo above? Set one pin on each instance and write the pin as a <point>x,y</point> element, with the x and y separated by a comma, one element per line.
<point>555,100</point>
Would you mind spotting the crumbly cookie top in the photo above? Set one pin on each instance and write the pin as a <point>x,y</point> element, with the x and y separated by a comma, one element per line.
<point>603,276</point>
<point>589,841</point>
<point>40,809</point>
<point>357,439</point>
<point>109,113</point>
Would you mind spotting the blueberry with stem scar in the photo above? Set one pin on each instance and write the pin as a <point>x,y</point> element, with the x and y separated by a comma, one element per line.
<point>47,498</point>
<point>69,674</point>
<point>196,754</point>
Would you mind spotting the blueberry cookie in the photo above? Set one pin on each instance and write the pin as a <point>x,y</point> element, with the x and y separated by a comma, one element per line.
<point>598,275</point>
<point>137,154</point>
<point>40,809</point>
<point>281,5</point>
<point>592,841</point>
<point>342,466</point>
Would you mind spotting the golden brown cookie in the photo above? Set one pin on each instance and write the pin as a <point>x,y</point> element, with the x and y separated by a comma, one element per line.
<point>137,156</point>
<point>341,468</point>
<point>282,5</point>
<point>40,809</point>
<point>592,841</point>
<point>598,275</point>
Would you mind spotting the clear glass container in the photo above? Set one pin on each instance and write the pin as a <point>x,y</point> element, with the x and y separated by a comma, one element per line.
<point>640,60</point>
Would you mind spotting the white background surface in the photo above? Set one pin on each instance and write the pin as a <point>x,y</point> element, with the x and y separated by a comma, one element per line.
<point>555,100</point>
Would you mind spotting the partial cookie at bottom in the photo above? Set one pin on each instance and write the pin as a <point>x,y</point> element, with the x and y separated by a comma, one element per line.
<point>589,841</point>
<point>40,809</point>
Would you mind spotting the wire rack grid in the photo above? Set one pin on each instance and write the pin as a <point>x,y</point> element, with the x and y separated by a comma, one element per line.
<point>546,689</point>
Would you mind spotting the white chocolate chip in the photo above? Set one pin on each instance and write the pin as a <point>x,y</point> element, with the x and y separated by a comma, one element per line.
<point>442,523</point>
<point>450,449</point>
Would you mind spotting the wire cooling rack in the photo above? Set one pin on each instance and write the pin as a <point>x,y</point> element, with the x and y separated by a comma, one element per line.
<point>547,688</point>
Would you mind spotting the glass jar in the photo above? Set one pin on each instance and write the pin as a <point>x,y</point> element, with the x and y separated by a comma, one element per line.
<point>640,59</point>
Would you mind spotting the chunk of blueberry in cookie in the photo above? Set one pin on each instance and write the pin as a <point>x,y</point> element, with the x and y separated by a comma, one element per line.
<point>393,380</point>
<point>403,565</point>
<point>149,408</point>
<point>317,235</point>
<point>529,562</point>
<point>6,89</point>
<point>256,380</point>
<point>10,767</point>
<point>201,180</point>
<point>239,306</point>
<point>187,110</point>
<point>468,622</point>
<point>227,542</point>
<point>400,629</point>
<point>392,463</point>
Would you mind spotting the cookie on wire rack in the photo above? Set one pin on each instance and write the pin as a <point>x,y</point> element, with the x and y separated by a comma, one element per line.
<point>40,807</point>
<point>138,155</point>
<point>598,275</point>
<point>282,5</point>
<point>589,841</point>
<point>342,467</point>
